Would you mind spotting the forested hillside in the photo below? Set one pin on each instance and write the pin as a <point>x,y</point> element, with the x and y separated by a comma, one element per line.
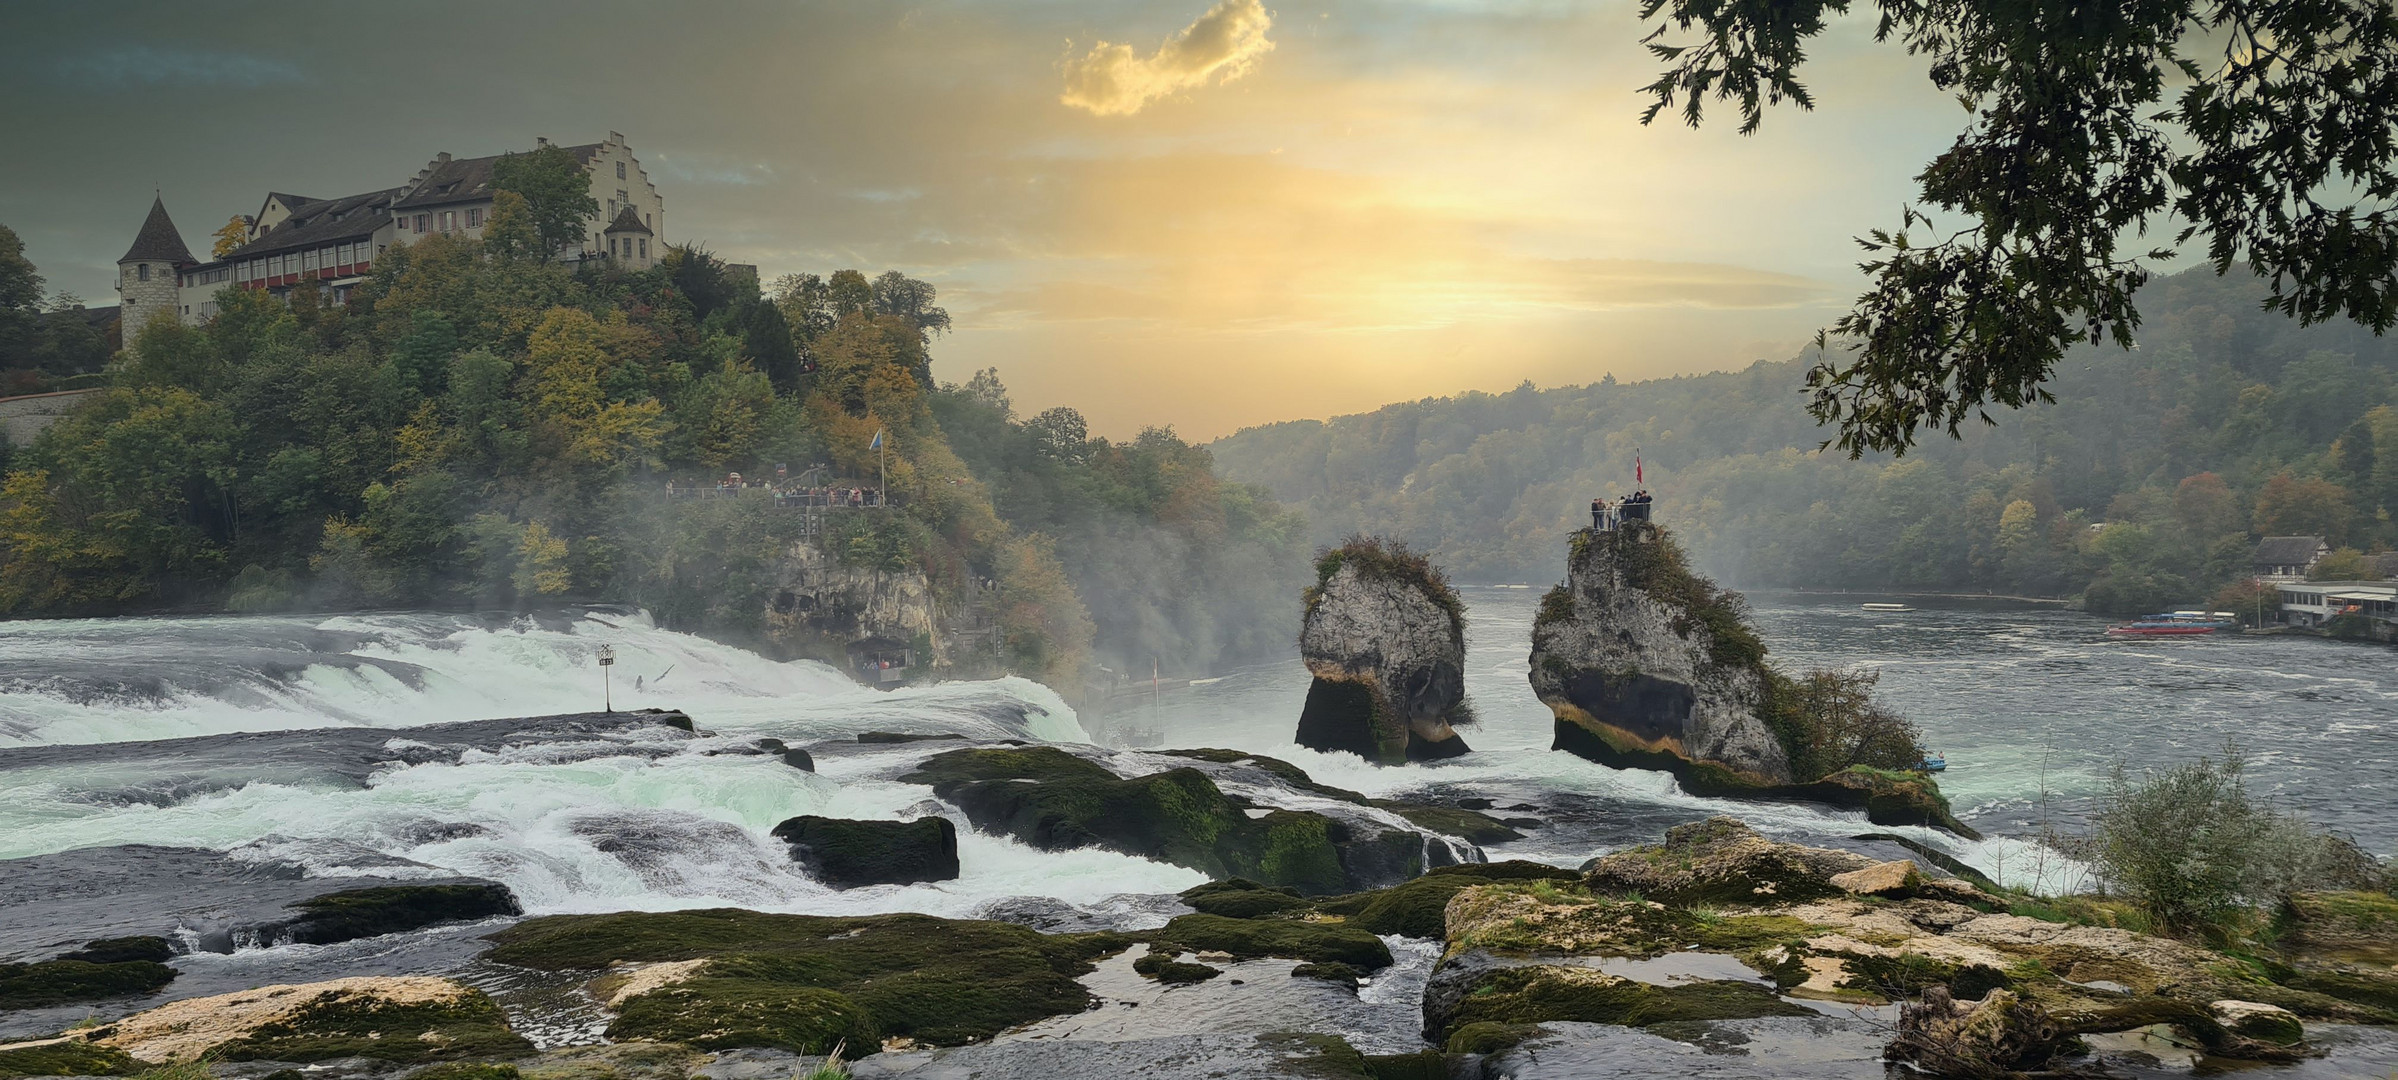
<point>482,427</point>
<point>2227,422</point>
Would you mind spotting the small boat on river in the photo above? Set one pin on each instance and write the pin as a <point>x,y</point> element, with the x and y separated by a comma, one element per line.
<point>1934,762</point>
<point>1885,607</point>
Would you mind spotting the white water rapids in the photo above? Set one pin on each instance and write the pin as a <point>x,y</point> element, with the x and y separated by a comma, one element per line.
<point>572,828</point>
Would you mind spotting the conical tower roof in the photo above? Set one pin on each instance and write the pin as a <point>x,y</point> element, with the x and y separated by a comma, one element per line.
<point>158,241</point>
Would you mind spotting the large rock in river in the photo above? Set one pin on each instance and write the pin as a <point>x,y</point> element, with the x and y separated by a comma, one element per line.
<point>845,853</point>
<point>1648,665</point>
<point>1384,636</point>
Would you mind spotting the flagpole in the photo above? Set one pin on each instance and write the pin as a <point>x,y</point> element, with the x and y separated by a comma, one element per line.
<point>882,466</point>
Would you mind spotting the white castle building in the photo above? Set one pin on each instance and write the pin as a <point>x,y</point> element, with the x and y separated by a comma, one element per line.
<point>336,241</point>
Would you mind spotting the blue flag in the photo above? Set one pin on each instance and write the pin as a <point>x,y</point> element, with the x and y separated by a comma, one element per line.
<point>877,444</point>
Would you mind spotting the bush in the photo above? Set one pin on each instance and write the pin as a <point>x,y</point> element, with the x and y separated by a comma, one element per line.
<point>1833,721</point>
<point>2194,848</point>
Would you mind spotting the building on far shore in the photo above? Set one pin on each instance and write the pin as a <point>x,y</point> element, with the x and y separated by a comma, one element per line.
<point>2314,603</point>
<point>295,238</point>
<point>2287,558</point>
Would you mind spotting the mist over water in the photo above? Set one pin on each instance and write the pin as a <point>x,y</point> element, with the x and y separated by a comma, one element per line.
<point>2017,699</point>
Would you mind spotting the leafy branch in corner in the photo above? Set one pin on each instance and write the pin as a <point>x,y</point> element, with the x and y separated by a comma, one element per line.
<point>2276,149</point>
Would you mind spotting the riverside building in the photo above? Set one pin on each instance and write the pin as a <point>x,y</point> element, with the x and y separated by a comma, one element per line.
<point>293,238</point>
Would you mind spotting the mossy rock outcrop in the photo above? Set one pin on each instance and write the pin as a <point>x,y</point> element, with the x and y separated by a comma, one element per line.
<point>1534,993</point>
<point>1417,908</point>
<point>404,1020</point>
<point>938,981</point>
<point>1721,861</point>
<point>392,909</point>
<point>1654,663</point>
<point>62,982</point>
<point>1251,939</point>
<point>846,853</point>
<point>1384,636</point>
<point>1469,825</point>
<point>1646,665</point>
<point>1055,801</point>
<point>71,1057</point>
<point>713,1013</point>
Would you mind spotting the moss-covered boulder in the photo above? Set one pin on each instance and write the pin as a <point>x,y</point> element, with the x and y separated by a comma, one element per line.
<point>720,1013</point>
<point>399,1019</point>
<point>1239,898</point>
<point>1465,824</point>
<point>1054,800</point>
<point>70,1057</point>
<point>1721,861</point>
<point>1384,636</point>
<point>1417,908</point>
<point>846,853</point>
<point>2350,925</point>
<point>1166,968</point>
<point>391,909</point>
<point>1535,993</point>
<point>62,982</point>
<point>938,981</point>
<point>1251,939</point>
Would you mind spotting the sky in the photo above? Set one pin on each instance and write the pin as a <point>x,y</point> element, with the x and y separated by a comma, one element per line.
<point>1199,213</point>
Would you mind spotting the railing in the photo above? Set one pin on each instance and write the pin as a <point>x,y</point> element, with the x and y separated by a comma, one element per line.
<point>840,499</point>
<point>1608,517</point>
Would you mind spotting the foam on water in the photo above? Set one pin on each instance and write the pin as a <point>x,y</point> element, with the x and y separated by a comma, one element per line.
<point>113,680</point>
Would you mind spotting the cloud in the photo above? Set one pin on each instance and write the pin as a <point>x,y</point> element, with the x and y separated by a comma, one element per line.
<point>1113,80</point>
<point>141,64</point>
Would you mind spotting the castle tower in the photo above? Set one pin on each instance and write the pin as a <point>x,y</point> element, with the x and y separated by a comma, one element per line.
<point>148,274</point>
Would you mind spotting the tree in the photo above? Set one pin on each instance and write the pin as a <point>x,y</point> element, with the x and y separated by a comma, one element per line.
<point>422,359</point>
<point>2346,564</point>
<point>231,235</point>
<point>2276,152</point>
<point>20,303</point>
<point>898,294</point>
<point>557,193</point>
<point>2288,506</point>
<point>848,292</point>
<point>2206,507</point>
<point>511,233</point>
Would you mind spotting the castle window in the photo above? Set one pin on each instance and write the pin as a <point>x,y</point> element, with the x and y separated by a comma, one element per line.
<point>622,197</point>
<point>449,221</point>
<point>645,247</point>
<point>620,170</point>
<point>424,223</point>
<point>144,270</point>
<point>474,217</point>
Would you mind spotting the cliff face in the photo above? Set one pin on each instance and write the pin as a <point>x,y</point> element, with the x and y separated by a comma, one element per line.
<point>820,606</point>
<point>1638,659</point>
<point>1385,639</point>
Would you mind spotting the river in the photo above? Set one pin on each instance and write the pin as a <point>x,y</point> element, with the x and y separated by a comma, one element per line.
<point>2022,701</point>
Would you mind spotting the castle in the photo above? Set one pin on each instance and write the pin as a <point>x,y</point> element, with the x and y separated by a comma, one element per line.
<point>336,241</point>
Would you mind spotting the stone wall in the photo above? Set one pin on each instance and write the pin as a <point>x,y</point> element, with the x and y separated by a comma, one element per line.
<point>22,418</point>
